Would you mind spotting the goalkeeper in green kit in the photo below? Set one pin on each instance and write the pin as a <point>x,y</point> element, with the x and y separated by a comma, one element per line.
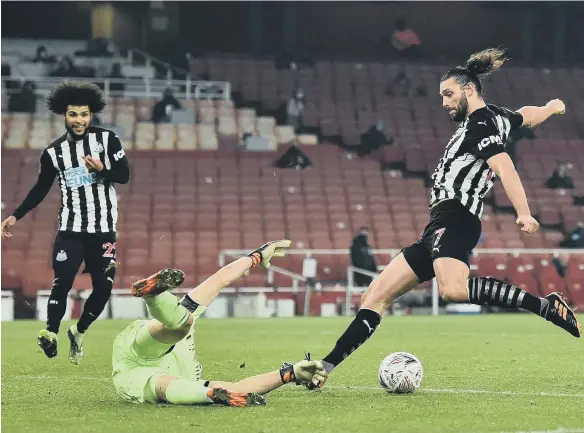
<point>154,361</point>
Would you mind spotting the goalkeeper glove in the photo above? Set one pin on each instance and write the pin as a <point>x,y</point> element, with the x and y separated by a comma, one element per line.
<point>264,254</point>
<point>303,372</point>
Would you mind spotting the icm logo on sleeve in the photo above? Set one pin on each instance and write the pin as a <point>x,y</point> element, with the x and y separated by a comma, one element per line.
<point>490,140</point>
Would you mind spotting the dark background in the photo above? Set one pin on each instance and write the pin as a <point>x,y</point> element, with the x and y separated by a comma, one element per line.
<point>539,33</point>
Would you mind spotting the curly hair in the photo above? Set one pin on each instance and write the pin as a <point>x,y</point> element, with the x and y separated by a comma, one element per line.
<point>478,66</point>
<point>76,93</point>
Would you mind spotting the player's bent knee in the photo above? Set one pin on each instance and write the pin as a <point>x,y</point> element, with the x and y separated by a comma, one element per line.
<point>378,296</point>
<point>158,384</point>
<point>452,291</point>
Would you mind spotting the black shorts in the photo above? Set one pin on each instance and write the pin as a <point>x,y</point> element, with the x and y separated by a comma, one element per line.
<point>452,232</point>
<point>97,250</point>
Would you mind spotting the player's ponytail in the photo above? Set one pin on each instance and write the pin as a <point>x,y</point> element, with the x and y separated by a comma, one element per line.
<point>477,66</point>
<point>485,62</point>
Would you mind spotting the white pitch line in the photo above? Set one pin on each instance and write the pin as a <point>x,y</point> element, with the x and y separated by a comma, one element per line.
<point>466,391</point>
<point>558,430</point>
<point>26,377</point>
<point>373,388</point>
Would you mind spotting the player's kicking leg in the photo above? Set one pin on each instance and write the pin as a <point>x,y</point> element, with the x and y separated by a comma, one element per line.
<point>395,280</point>
<point>455,285</point>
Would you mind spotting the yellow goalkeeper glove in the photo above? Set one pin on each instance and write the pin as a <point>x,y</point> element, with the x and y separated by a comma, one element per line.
<point>264,254</point>
<point>303,372</point>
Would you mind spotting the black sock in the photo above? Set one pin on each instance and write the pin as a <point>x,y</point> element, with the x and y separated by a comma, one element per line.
<point>58,302</point>
<point>358,332</point>
<point>497,293</point>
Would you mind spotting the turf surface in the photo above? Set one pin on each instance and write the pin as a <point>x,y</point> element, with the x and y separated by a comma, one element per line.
<point>497,373</point>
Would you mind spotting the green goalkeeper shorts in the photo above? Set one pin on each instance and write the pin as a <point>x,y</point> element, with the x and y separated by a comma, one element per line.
<point>132,372</point>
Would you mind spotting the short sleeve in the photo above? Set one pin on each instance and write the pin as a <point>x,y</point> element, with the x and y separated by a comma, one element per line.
<point>482,139</point>
<point>515,118</point>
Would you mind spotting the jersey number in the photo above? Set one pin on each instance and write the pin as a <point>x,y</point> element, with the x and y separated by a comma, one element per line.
<point>109,247</point>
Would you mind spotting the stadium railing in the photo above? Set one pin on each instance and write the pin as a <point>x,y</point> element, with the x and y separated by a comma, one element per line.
<point>296,278</point>
<point>134,87</point>
<point>123,306</point>
<point>351,289</point>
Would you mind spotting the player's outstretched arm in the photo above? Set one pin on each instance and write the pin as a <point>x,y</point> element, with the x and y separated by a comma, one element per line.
<point>533,116</point>
<point>38,192</point>
<point>208,290</point>
<point>504,168</point>
<point>300,373</point>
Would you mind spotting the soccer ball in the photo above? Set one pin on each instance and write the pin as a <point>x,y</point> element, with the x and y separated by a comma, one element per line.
<point>400,372</point>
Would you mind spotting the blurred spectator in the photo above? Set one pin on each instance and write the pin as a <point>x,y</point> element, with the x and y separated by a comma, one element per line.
<point>405,40</point>
<point>163,109</point>
<point>400,86</point>
<point>575,239</point>
<point>560,262</point>
<point>96,48</point>
<point>9,83</point>
<point>294,158</point>
<point>116,74</point>
<point>23,101</point>
<point>309,265</point>
<point>374,139</point>
<point>65,68</point>
<point>362,257</point>
<point>295,110</point>
<point>422,91</point>
<point>42,55</point>
<point>560,178</point>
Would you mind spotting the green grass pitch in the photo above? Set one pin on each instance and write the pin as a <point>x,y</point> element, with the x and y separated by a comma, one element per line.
<point>491,373</point>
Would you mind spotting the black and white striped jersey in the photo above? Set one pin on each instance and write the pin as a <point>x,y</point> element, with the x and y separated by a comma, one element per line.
<point>88,199</point>
<point>463,173</point>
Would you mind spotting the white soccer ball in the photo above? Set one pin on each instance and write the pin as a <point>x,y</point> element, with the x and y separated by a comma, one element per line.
<point>400,372</point>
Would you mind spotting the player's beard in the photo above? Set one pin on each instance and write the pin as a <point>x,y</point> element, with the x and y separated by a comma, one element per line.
<point>75,136</point>
<point>461,110</point>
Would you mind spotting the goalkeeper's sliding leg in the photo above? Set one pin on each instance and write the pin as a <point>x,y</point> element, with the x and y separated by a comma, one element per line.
<point>154,361</point>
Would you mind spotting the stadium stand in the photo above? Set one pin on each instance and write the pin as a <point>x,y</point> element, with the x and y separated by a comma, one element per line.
<point>194,192</point>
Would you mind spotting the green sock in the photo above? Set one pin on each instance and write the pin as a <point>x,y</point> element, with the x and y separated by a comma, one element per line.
<point>167,310</point>
<point>184,391</point>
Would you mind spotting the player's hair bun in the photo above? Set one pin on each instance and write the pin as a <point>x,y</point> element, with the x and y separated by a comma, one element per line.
<point>486,61</point>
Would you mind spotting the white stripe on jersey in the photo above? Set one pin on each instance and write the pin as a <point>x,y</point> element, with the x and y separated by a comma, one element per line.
<point>481,184</point>
<point>74,191</point>
<point>447,155</point>
<point>456,167</point>
<point>89,188</point>
<point>114,210</point>
<point>103,211</point>
<point>108,164</point>
<point>468,181</point>
<point>112,191</point>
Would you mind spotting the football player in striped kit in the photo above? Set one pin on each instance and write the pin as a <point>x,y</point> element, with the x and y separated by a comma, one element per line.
<point>87,161</point>
<point>473,157</point>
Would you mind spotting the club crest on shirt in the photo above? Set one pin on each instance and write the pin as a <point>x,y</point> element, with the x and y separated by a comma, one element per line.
<point>97,147</point>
